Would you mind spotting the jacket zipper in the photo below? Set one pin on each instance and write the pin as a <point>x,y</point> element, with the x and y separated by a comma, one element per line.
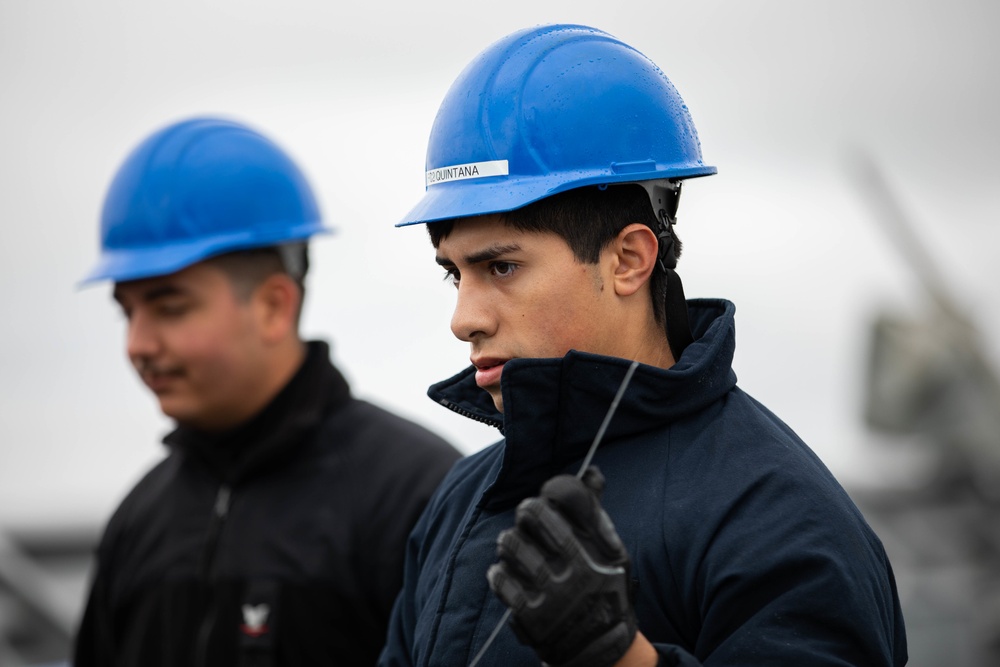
<point>454,407</point>
<point>219,514</point>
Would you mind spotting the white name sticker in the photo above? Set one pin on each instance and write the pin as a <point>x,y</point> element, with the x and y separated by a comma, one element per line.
<point>461,172</point>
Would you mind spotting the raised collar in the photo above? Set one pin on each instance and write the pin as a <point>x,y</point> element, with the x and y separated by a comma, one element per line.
<point>554,407</point>
<point>277,431</point>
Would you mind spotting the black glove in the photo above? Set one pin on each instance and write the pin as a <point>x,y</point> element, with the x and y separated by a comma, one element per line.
<point>564,573</point>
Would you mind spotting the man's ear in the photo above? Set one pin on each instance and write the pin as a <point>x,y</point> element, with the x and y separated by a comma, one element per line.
<point>634,258</point>
<point>276,304</point>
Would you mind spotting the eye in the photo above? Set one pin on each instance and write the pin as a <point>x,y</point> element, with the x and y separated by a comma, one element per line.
<point>452,275</point>
<point>502,269</point>
<point>172,308</point>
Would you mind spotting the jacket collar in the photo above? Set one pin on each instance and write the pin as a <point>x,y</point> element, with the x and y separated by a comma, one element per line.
<point>277,431</point>
<point>554,407</point>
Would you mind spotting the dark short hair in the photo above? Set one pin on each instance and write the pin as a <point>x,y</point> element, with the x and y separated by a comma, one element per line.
<point>247,269</point>
<point>588,219</point>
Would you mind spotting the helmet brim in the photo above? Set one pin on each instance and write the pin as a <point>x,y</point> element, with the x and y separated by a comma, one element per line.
<point>447,201</point>
<point>121,265</point>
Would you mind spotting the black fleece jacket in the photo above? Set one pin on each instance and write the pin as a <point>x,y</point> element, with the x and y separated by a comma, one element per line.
<point>277,543</point>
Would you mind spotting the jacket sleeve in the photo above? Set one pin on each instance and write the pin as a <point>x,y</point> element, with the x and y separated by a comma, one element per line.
<point>402,622</point>
<point>94,645</point>
<point>398,496</point>
<point>788,572</point>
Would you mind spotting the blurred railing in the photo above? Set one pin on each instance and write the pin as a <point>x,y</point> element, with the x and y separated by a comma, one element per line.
<point>43,576</point>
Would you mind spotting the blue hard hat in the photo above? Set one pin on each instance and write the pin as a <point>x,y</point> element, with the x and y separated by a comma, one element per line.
<point>548,109</point>
<point>196,189</point>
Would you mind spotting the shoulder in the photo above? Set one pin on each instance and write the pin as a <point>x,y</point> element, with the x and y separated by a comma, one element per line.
<point>393,455</point>
<point>740,438</point>
<point>733,473</point>
<point>142,505</point>
<point>145,496</point>
<point>366,421</point>
<point>741,479</point>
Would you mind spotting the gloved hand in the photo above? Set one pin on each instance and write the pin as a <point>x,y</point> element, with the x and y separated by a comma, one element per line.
<point>564,573</point>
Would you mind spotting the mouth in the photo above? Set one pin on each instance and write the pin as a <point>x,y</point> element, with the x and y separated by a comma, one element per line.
<point>159,380</point>
<point>488,371</point>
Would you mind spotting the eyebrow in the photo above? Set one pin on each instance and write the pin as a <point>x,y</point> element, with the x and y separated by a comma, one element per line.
<point>483,255</point>
<point>154,293</point>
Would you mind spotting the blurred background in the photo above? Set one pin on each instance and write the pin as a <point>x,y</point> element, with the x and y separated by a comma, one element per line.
<point>852,221</point>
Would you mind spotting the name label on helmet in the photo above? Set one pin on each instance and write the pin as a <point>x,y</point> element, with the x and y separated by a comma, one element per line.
<point>461,172</point>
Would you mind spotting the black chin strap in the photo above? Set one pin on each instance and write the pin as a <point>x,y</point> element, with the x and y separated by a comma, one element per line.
<point>678,326</point>
<point>664,196</point>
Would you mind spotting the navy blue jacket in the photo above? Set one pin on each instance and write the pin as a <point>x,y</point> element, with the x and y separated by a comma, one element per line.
<point>745,549</point>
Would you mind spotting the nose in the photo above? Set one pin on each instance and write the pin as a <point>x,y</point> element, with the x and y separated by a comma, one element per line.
<point>474,317</point>
<point>141,340</point>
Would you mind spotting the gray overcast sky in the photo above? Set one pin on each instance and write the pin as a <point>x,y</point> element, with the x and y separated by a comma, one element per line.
<point>779,90</point>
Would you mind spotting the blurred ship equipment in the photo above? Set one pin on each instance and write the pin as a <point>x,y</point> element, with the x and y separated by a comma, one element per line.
<point>931,388</point>
<point>42,575</point>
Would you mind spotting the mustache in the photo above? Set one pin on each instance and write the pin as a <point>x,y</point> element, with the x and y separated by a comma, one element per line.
<point>145,366</point>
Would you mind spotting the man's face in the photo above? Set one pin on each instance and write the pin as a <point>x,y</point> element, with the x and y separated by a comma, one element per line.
<point>523,294</point>
<point>195,344</point>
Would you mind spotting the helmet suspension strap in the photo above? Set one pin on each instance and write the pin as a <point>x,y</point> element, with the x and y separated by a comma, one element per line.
<point>664,196</point>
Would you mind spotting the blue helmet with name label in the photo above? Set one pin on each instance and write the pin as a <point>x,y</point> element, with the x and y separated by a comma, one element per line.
<point>548,109</point>
<point>199,188</point>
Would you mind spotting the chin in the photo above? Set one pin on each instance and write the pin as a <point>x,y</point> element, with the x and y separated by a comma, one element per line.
<point>176,411</point>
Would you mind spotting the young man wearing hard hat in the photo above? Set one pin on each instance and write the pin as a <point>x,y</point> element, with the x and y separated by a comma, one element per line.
<point>273,532</point>
<point>705,532</point>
